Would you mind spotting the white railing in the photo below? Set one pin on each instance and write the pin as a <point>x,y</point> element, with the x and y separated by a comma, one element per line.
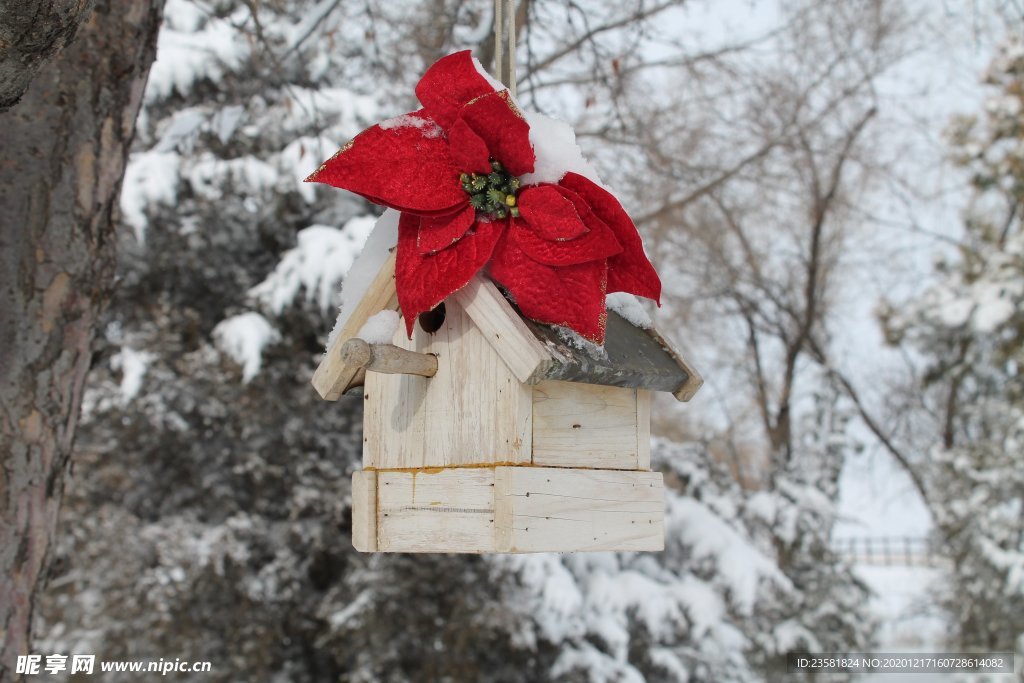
<point>905,551</point>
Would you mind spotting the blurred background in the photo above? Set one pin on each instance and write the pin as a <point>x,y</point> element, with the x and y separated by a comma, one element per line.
<point>831,191</point>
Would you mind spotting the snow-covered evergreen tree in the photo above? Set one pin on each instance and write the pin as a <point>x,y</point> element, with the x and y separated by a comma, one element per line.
<point>969,329</point>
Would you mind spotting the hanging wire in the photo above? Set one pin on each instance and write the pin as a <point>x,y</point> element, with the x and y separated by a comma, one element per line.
<point>505,24</point>
<point>511,47</point>
<point>499,43</point>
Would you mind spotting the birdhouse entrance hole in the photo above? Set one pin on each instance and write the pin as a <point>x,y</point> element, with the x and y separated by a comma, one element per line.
<point>431,321</point>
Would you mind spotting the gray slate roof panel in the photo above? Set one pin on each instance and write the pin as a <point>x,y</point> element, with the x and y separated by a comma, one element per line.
<point>631,357</point>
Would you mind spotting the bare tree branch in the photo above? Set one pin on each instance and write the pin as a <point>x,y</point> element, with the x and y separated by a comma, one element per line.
<point>573,46</point>
<point>879,432</point>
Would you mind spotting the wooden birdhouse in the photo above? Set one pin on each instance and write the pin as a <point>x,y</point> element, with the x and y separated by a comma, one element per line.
<point>487,432</point>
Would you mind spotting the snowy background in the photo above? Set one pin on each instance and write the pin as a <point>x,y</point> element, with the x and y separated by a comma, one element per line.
<point>830,191</point>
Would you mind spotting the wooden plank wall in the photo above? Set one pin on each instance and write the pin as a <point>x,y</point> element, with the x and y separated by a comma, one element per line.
<point>364,511</point>
<point>643,429</point>
<point>393,420</point>
<point>511,509</point>
<point>474,411</point>
<point>587,425</point>
<point>541,509</point>
<point>450,510</point>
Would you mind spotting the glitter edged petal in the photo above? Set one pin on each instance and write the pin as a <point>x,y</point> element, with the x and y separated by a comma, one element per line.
<point>405,166</point>
<point>631,271</point>
<point>598,242</point>
<point>468,150</point>
<point>550,214</point>
<point>440,232</point>
<point>425,280</point>
<point>496,119</point>
<point>449,85</point>
<point>570,296</point>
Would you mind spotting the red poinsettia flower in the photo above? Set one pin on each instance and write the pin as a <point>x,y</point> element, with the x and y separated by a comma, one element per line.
<point>572,244</point>
<point>453,169</point>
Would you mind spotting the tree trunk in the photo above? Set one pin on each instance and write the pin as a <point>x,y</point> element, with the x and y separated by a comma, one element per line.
<point>31,33</point>
<point>64,151</point>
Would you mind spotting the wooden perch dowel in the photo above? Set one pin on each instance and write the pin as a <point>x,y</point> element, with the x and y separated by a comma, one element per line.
<point>387,358</point>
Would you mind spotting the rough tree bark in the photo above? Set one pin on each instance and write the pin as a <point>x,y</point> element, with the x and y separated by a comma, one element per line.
<point>64,148</point>
<point>31,33</point>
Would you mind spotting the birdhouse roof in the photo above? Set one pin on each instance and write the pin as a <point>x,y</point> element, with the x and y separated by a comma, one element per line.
<point>630,357</point>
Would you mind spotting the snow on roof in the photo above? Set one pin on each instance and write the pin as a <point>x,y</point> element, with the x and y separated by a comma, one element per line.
<point>365,267</point>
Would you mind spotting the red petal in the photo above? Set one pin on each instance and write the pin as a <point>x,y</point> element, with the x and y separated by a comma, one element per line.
<point>423,281</point>
<point>468,149</point>
<point>630,271</point>
<point>440,232</point>
<point>406,167</point>
<point>597,243</point>
<point>499,122</point>
<point>550,214</point>
<point>449,84</point>
<point>571,296</point>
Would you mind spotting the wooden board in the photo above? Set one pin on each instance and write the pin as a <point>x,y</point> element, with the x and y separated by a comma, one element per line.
<point>693,381</point>
<point>541,509</point>
<point>449,510</point>
<point>474,411</point>
<point>585,425</point>
<point>512,509</point>
<point>393,423</point>
<point>643,429</point>
<point>332,377</point>
<point>364,511</point>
